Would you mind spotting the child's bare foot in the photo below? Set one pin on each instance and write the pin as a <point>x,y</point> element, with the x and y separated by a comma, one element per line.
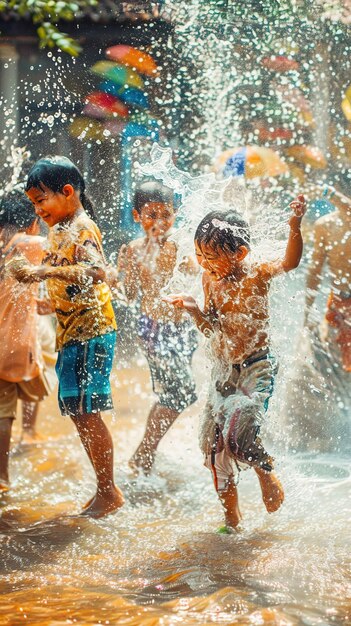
<point>30,437</point>
<point>104,503</point>
<point>272,490</point>
<point>141,463</point>
<point>4,485</point>
<point>87,504</point>
<point>233,518</point>
<point>229,499</point>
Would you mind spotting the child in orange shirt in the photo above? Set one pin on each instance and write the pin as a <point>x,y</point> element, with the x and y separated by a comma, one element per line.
<point>75,271</point>
<point>21,364</point>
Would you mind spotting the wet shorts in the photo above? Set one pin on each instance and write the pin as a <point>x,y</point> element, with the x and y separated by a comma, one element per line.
<point>169,349</point>
<point>83,370</point>
<point>233,417</point>
<point>26,390</point>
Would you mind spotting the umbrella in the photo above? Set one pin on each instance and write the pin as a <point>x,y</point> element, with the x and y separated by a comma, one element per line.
<point>294,95</point>
<point>134,58</point>
<point>85,128</point>
<point>128,95</point>
<point>271,134</point>
<point>308,155</point>
<point>118,73</point>
<point>103,104</point>
<point>280,64</point>
<point>251,162</point>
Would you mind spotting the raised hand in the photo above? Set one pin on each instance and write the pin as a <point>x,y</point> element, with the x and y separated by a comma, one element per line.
<point>181,301</point>
<point>299,206</point>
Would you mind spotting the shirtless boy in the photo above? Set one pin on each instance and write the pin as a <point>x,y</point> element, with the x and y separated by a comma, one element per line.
<point>168,340</point>
<point>332,252</point>
<point>236,320</point>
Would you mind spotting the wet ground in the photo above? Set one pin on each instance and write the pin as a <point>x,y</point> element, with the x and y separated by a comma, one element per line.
<point>159,561</point>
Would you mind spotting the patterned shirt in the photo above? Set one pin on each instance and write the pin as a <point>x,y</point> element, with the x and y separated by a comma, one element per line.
<point>83,309</point>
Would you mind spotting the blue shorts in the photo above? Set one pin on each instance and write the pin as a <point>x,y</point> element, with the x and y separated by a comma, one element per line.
<point>169,349</point>
<point>83,370</point>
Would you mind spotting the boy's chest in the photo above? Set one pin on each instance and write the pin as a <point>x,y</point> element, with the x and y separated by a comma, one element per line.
<point>157,262</point>
<point>249,297</point>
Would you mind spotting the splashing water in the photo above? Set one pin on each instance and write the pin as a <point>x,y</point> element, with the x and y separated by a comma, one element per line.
<point>159,561</point>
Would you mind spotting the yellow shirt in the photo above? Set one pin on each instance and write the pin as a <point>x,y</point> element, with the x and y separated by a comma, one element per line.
<point>83,310</point>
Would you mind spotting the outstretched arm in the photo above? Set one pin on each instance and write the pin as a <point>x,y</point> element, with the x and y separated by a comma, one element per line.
<point>294,245</point>
<point>77,273</point>
<point>293,252</point>
<point>188,303</point>
<point>203,319</point>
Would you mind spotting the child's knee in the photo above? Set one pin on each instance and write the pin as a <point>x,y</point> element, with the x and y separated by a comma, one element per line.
<point>224,473</point>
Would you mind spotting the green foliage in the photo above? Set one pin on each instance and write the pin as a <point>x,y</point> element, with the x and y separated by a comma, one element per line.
<point>46,14</point>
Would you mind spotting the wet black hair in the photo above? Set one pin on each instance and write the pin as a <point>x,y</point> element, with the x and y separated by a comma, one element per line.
<point>16,210</point>
<point>152,192</point>
<point>224,230</point>
<point>55,172</point>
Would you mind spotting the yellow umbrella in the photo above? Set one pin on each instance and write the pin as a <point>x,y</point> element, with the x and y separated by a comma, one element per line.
<point>86,128</point>
<point>308,155</point>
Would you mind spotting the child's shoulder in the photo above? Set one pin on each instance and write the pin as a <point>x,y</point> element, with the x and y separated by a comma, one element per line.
<point>84,222</point>
<point>326,220</point>
<point>136,244</point>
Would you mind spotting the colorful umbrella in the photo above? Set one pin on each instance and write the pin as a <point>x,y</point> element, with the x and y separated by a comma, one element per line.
<point>280,64</point>
<point>110,106</point>
<point>294,95</point>
<point>266,133</point>
<point>118,73</point>
<point>308,155</point>
<point>251,162</point>
<point>129,95</point>
<point>85,128</point>
<point>134,58</point>
<point>115,127</point>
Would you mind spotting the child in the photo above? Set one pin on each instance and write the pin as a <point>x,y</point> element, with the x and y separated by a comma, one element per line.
<point>21,364</point>
<point>332,249</point>
<point>318,397</point>
<point>167,339</point>
<point>75,272</point>
<point>236,319</point>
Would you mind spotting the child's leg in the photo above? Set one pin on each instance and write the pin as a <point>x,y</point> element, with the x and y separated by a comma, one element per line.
<point>98,444</point>
<point>29,418</point>
<point>230,501</point>
<point>5,438</point>
<point>159,421</point>
<point>272,490</point>
<point>223,473</point>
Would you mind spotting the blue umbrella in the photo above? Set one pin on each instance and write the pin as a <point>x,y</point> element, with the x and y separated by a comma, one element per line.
<point>129,95</point>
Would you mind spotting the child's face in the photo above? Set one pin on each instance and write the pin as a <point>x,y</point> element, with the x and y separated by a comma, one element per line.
<point>218,263</point>
<point>52,207</point>
<point>156,218</point>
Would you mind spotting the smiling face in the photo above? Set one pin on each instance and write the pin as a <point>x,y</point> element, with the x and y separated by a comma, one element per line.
<point>219,263</point>
<point>156,218</point>
<point>53,207</point>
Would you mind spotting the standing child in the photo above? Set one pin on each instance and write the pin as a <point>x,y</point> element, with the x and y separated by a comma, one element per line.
<point>168,340</point>
<point>21,363</point>
<point>236,318</point>
<point>86,329</point>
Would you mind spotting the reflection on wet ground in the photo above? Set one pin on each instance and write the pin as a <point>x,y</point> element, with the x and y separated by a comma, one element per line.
<point>159,561</point>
